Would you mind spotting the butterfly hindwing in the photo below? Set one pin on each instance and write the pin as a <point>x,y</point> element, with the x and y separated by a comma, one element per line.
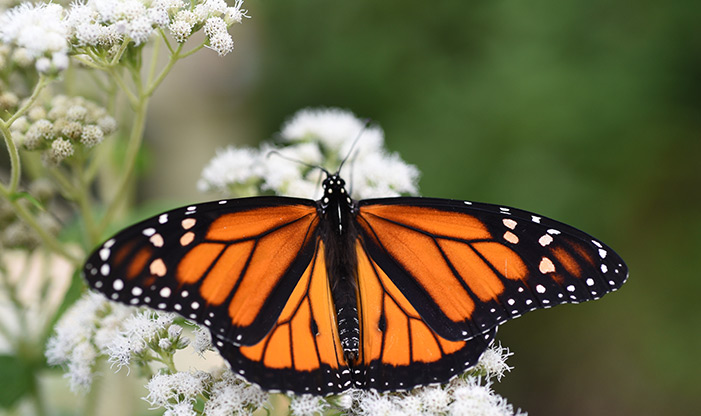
<point>399,350</point>
<point>467,267</point>
<point>302,353</point>
<point>229,265</point>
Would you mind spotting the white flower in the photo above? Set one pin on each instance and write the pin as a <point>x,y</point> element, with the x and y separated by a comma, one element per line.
<point>231,166</point>
<point>235,14</point>
<point>164,389</point>
<point>221,43</point>
<point>307,405</point>
<point>38,28</point>
<point>381,175</point>
<point>214,26</point>
<point>140,30</point>
<point>335,129</point>
<point>180,409</point>
<point>493,362</point>
<point>229,395</point>
<point>434,399</point>
<point>180,30</point>
<point>314,140</point>
<point>80,373</point>
<point>371,403</point>
<point>472,398</point>
<point>203,341</point>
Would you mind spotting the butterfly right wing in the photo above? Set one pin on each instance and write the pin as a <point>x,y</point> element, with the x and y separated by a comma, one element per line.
<point>399,351</point>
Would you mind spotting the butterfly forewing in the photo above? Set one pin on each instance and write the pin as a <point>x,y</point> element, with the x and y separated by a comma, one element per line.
<point>467,267</point>
<point>230,265</point>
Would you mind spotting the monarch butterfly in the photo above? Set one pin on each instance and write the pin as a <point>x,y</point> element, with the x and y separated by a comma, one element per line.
<point>323,296</point>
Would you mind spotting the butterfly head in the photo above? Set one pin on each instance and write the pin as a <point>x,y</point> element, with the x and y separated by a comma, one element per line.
<point>335,194</point>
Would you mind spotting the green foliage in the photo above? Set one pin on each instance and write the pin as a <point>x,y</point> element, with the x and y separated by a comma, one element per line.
<point>16,380</point>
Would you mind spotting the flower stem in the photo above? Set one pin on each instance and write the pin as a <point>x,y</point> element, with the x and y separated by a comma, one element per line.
<point>135,139</point>
<point>49,240</point>
<point>15,164</point>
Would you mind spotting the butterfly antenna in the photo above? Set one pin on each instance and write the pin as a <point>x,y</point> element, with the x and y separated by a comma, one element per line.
<point>291,159</point>
<point>355,141</point>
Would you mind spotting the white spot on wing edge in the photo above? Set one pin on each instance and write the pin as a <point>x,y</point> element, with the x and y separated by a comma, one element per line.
<point>148,232</point>
<point>509,223</point>
<point>511,237</point>
<point>109,243</point>
<point>163,218</point>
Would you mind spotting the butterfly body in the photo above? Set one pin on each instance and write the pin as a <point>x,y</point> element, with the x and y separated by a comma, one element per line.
<point>337,231</point>
<point>323,296</point>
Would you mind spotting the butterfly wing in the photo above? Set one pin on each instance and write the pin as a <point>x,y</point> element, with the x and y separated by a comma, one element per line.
<point>230,265</point>
<point>467,267</point>
<point>302,353</point>
<point>399,350</point>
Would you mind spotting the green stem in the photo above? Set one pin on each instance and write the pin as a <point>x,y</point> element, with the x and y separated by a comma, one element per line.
<point>15,164</point>
<point>133,99</point>
<point>161,76</point>
<point>133,146</point>
<point>35,394</point>
<point>49,240</point>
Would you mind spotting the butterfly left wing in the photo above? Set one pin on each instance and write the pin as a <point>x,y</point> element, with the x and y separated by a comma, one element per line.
<point>302,353</point>
<point>230,265</point>
<point>467,267</point>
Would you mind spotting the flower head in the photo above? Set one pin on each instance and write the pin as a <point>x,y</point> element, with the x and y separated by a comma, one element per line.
<point>320,138</point>
<point>38,29</point>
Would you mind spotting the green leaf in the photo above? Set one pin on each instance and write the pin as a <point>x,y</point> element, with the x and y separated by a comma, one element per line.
<point>15,380</point>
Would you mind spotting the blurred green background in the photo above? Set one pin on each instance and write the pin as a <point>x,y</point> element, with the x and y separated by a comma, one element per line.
<point>585,111</point>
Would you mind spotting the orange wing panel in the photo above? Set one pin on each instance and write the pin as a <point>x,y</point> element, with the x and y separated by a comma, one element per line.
<point>420,256</point>
<point>391,330</point>
<point>220,281</point>
<point>292,343</point>
<point>272,256</point>
<point>436,222</point>
<point>252,223</point>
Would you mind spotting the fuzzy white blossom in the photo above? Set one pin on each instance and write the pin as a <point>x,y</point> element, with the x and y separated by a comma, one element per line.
<point>168,390</point>
<point>307,405</point>
<point>313,138</point>
<point>493,362</point>
<point>470,397</point>
<point>203,341</point>
<point>39,30</point>
<point>229,395</point>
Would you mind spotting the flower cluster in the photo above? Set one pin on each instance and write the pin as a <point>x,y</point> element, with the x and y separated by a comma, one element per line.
<point>462,396</point>
<point>47,33</point>
<point>40,32</point>
<point>215,16</point>
<point>66,122</point>
<point>226,394</point>
<point>95,327</point>
<point>310,140</point>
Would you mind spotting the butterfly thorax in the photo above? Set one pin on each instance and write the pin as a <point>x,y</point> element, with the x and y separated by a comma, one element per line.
<point>339,236</point>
